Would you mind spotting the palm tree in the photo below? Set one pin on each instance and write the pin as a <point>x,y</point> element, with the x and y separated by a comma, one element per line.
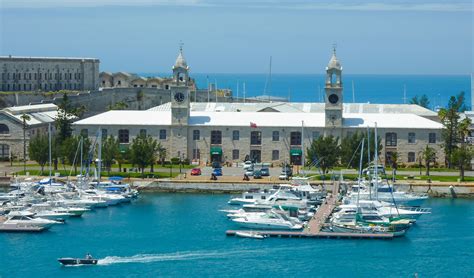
<point>162,155</point>
<point>428,155</point>
<point>25,118</point>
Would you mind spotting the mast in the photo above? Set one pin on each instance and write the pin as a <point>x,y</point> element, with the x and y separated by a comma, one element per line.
<point>302,145</point>
<point>238,85</point>
<point>404,93</point>
<point>244,91</point>
<point>207,78</point>
<point>268,82</point>
<point>49,151</point>
<point>368,160</point>
<point>82,150</point>
<point>215,80</point>
<point>376,162</point>
<point>100,154</point>
<point>360,173</point>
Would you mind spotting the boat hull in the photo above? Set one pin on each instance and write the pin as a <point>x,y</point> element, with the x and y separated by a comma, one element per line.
<point>73,261</point>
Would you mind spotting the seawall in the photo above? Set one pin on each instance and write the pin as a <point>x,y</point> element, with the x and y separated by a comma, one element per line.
<point>442,190</point>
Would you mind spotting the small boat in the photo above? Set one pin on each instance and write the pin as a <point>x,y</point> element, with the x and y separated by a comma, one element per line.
<point>249,234</point>
<point>88,260</point>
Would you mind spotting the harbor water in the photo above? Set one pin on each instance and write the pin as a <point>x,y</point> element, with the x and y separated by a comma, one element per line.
<point>183,235</point>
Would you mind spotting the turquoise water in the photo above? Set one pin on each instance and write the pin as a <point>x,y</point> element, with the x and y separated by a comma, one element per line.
<point>367,87</point>
<point>183,235</point>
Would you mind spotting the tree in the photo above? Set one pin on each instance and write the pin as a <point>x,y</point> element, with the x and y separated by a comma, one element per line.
<point>324,150</point>
<point>24,118</point>
<point>70,152</point>
<point>155,148</point>
<point>39,150</point>
<point>428,155</point>
<point>64,119</point>
<point>110,151</point>
<point>162,154</point>
<point>350,149</point>
<point>423,101</point>
<point>462,157</point>
<point>140,97</point>
<point>394,160</point>
<point>141,151</point>
<point>121,105</point>
<point>450,118</point>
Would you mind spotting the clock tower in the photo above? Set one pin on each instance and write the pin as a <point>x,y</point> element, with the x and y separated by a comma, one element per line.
<point>333,102</point>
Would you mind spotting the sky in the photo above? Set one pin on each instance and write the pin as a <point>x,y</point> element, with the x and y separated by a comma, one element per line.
<point>231,36</point>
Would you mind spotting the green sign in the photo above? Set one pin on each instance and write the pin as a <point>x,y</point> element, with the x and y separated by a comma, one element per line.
<point>296,152</point>
<point>216,150</point>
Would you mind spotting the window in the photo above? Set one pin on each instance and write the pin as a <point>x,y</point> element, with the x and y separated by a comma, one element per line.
<point>163,134</point>
<point>143,132</point>
<point>104,133</point>
<point>275,136</point>
<point>391,139</point>
<point>255,138</point>
<point>235,154</point>
<point>295,138</point>
<point>275,155</point>
<point>196,154</point>
<point>411,138</point>
<point>315,135</point>
<point>4,151</point>
<point>119,82</point>
<point>196,134</point>
<point>432,138</point>
<point>411,157</point>
<point>4,129</point>
<point>85,132</point>
<point>216,137</point>
<point>123,135</point>
<point>235,135</point>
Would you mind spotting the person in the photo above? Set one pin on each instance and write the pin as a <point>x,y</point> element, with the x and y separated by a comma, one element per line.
<point>246,177</point>
<point>88,256</point>
<point>213,177</point>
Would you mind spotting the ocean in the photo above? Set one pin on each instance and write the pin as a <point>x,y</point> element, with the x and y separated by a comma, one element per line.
<point>368,88</point>
<point>183,235</point>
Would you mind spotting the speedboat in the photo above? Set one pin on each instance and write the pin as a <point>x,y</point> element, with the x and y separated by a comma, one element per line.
<point>251,196</point>
<point>18,218</point>
<point>88,260</point>
<point>250,234</point>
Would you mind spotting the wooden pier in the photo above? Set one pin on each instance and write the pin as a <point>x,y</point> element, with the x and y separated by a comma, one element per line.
<point>313,229</point>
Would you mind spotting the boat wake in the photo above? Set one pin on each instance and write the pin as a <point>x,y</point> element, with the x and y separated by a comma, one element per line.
<point>179,256</point>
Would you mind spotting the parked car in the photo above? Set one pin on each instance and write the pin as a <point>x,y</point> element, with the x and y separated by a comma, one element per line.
<point>288,170</point>
<point>284,176</point>
<point>217,171</point>
<point>371,170</point>
<point>196,172</point>
<point>265,172</point>
<point>249,171</point>
<point>257,174</point>
<point>248,164</point>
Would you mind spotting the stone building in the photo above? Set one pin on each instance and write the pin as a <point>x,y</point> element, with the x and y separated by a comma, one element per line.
<point>110,80</point>
<point>11,127</point>
<point>270,132</point>
<point>48,73</point>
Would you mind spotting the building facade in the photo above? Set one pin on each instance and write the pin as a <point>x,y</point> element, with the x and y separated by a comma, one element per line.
<point>48,73</point>
<point>267,132</point>
<point>12,126</point>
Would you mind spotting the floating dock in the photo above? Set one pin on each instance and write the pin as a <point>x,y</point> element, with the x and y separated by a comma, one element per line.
<point>313,229</point>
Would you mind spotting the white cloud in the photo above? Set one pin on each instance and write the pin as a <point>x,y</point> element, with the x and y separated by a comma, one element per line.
<point>335,5</point>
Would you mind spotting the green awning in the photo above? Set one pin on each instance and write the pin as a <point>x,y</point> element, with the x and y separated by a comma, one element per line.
<point>216,150</point>
<point>123,148</point>
<point>296,152</point>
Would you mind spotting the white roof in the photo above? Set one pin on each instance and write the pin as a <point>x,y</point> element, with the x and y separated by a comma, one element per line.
<point>38,113</point>
<point>267,119</point>
<point>308,107</point>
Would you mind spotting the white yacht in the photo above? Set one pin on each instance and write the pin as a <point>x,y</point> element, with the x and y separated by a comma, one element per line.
<point>25,218</point>
<point>251,197</point>
<point>272,220</point>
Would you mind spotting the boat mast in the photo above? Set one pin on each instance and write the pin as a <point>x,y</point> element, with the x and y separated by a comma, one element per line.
<point>268,82</point>
<point>82,150</point>
<point>244,91</point>
<point>368,161</point>
<point>100,154</point>
<point>353,93</point>
<point>49,151</point>
<point>302,146</point>
<point>360,173</point>
<point>376,164</point>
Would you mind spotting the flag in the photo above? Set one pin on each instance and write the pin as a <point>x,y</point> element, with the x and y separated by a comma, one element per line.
<point>253,125</point>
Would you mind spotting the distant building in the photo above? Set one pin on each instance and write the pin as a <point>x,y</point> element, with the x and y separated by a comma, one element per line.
<point>268,132</point>
<point>11,126</point>
<point>131,80</point>
<point>48,73</point>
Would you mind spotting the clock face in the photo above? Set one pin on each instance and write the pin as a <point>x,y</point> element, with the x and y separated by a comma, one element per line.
<point>179,97</point>
<point>333,99</point>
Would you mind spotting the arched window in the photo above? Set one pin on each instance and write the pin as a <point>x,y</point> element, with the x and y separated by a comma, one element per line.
<point>4,129</point>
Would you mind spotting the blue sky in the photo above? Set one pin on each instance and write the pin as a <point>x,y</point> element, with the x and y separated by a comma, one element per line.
<point>230,36</point>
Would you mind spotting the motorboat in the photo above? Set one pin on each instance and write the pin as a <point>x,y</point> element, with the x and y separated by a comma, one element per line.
<point>18,218</point>
<point>273,220</point>
<point>251,197</point>
<point>88,260</point>
<point>249,234</point>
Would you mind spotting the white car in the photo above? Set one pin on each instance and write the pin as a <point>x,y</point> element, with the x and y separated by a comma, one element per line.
<point>249,171</point>
<point>248,164</point>
<point>283,176</point>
